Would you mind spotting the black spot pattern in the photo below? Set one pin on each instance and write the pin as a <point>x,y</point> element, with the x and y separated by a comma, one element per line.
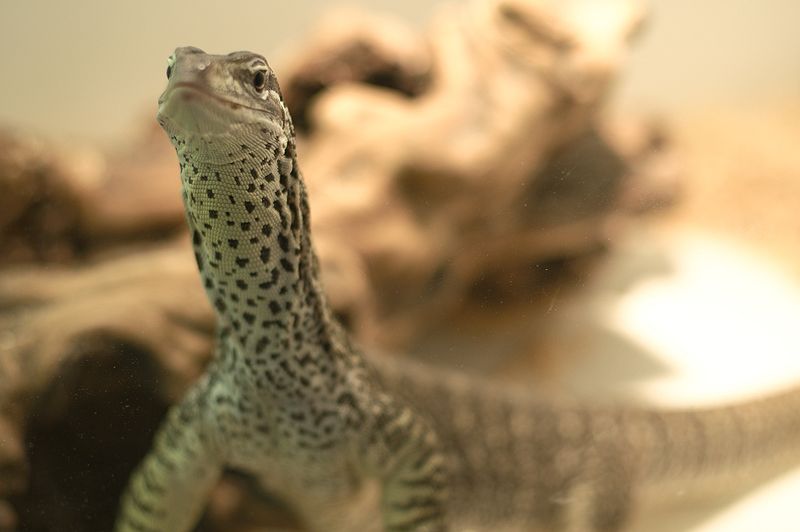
<point>289,397</point>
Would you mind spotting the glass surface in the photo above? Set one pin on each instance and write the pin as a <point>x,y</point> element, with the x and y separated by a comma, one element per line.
<point>640,248</point>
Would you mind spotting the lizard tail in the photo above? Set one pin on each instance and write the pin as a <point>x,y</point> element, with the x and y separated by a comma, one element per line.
<point>716,443</point>
<point>517,453</point>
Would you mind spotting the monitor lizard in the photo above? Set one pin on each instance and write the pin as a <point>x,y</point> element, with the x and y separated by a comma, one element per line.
<point>357,444</point>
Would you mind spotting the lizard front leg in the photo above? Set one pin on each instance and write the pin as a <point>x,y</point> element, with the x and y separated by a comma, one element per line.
<point>404,453</point>
<point>169,489</point>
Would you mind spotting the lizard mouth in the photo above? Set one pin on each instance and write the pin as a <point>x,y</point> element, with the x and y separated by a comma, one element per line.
<point>188,90</point>
<point>186,105</point>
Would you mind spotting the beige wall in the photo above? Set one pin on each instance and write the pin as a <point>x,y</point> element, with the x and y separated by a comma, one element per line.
<point>715,52</point>
<point>89,68</point>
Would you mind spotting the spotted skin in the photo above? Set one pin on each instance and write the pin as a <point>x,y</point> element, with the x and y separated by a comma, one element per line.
<point>349,445</point>
<point>287,399</point>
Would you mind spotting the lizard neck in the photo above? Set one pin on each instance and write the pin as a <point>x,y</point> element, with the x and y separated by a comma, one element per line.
<point>249,220</point>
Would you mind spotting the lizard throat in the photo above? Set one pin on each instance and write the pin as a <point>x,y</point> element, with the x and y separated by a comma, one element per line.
<point>250,232</point>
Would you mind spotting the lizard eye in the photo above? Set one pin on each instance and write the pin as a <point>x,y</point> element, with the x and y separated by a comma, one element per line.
<point>170,64</point>
<point>260,81</point>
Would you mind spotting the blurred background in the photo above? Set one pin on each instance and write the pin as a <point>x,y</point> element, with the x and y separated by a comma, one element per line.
<point>639,244</point>
<point>90,69</point>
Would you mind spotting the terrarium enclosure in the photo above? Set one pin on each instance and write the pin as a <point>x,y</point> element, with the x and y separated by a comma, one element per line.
<point>597,199</point>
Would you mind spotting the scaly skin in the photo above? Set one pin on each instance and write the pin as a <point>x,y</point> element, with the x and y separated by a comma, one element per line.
<point>291,401</point>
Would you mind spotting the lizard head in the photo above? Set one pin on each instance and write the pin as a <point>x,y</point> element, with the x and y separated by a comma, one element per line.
<point>213,102</point>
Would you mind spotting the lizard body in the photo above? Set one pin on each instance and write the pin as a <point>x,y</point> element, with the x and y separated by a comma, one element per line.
<point>291,401</point>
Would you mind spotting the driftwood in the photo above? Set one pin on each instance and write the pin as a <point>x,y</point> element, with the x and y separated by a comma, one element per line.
<point>467,166</point>
<point>494,164</point>
<point>62,204</point>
